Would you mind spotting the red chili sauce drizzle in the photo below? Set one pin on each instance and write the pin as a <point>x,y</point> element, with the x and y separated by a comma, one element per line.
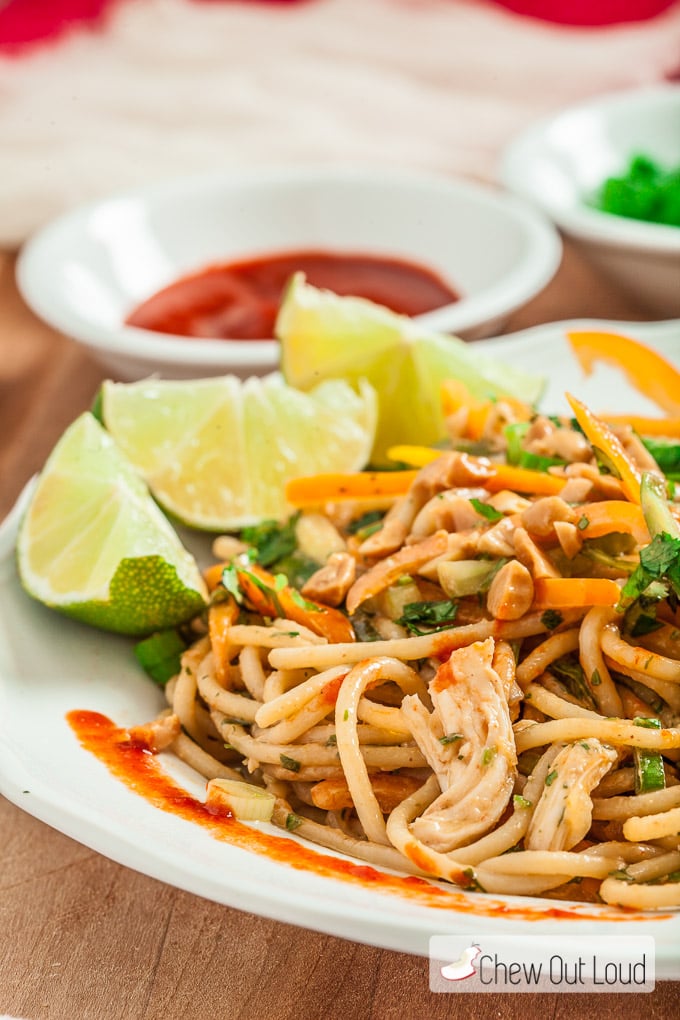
<point>133,764</point>
<point>240,300</point>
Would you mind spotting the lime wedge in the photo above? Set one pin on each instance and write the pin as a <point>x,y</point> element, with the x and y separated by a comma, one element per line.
<point>217,453</point>
<point>326,336</point>
<point>94,545</point>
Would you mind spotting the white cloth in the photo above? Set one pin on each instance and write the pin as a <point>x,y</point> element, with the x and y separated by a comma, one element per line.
<point>170,87</point>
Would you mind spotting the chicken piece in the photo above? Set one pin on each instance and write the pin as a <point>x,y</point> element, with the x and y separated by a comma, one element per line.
<point>511,592</point>
<point>389,570</point>
<point>331,582</point>
<point>389,789</point>
<point>468,742</point>
<point>564,811</point>
<point>157,734</point>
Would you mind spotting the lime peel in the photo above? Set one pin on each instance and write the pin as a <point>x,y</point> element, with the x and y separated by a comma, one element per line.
<point>95,546</point>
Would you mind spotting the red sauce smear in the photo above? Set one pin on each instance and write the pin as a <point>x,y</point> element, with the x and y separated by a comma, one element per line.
<point>240,300</point>
<point>133,764</point>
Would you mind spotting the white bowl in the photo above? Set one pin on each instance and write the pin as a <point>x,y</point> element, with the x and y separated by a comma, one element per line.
<point>85,272</point>
<point>559,163</point>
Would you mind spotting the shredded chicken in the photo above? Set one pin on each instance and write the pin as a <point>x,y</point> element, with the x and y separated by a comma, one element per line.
<point>469,744</point>
<point>564,811</point>
<point>157,734</point>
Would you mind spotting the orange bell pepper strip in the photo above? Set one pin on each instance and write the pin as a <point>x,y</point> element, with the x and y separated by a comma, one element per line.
<point>667,428</point>
<point>571,592</point>
<point>602,438</point>
<point>262,592</point>
<point>613,515</point>
<point>646,370</point>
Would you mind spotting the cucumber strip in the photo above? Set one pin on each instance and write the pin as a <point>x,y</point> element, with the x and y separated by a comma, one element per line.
<point>649,770</point>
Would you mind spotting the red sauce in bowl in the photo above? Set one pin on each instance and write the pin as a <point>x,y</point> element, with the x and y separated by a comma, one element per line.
<point>240,300</point>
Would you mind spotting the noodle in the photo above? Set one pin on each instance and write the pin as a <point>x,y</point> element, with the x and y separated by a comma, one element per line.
<point>445,737</point>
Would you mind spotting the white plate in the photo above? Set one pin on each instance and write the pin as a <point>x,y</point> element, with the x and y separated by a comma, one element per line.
<point>49,666</point>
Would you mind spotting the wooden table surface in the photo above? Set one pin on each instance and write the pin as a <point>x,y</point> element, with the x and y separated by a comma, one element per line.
<point>86,939</point>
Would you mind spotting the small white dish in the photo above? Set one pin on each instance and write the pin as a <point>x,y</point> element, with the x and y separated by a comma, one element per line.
<point>45,771</point>
<point>559,163</point>
<point>85,272</point>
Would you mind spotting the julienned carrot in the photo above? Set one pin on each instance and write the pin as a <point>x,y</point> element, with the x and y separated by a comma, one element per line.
<point>314,489</point>
<point>517,479</point>
<point>647,370</point>
<point>667,428</point>
<point>602,438</point>
<point>613,515</point>
<point>267,597</point>
<point>570,592</point>
<point>212,575</point>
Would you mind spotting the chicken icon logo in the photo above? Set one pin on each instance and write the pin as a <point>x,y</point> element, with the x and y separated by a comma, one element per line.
<point>463,967</point>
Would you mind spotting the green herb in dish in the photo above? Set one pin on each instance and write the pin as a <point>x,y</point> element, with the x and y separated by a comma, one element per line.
<point>644,191</point>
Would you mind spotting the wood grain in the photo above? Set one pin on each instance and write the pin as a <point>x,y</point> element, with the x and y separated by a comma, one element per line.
<point>85,939</point>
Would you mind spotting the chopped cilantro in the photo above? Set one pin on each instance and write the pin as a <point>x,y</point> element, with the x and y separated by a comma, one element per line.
<point>292,764</point>
<point>159,655</point>
<point>450,738</point>
<point>551,777</point>
<point>487,511</point>
<point>569,672</point>
<point>432,616</point>
<point>551,619</point>
<point>271,540</point>
<point>366,520</point>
